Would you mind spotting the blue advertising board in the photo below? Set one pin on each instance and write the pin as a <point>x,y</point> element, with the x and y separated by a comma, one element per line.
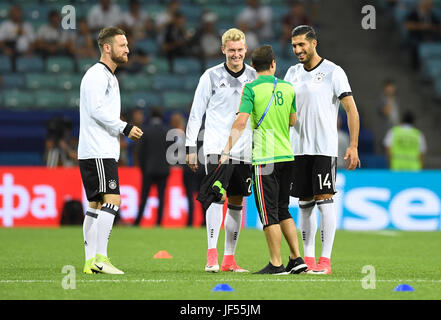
<point>378,199</point>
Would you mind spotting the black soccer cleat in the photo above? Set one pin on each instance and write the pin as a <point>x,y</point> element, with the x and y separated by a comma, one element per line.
<point>296,266</point>
<point>270,269</point>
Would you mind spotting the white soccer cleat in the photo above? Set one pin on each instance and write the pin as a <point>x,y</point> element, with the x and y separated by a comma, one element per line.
<point>214,268</point>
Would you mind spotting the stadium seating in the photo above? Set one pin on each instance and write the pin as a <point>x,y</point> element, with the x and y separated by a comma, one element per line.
<point>5,64</point>
<point>429,50</point>
<point>46,87</point>
<point>177,100</point>
<point>143,99</point>
<point>60,64</point>
<point>16,99</point>
<point>157,66</point>
<point>187,65</point>
<point>13,81</point>
<point>68,81</point>
<point>29,64</point>
<point>49,99</point>
<point>36,81</point>
<point>136,82</point>
<point>85,63</point>
<point>438,88</point>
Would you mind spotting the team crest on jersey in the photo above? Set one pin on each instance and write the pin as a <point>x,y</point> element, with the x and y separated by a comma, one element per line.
<point>112,184</point>
<point>319,77</point>
<point>224,83</point>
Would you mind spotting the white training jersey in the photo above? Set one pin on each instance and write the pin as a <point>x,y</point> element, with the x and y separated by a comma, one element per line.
<point>100,111</point>
<point>218,96</point>
<point>318,93</point>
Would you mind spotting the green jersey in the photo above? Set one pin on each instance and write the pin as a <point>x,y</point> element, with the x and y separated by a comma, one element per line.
<point>271,139</point>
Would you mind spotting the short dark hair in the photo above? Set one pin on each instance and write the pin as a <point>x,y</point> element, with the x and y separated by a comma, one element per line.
<point>408,118</point>
<point>306,30</point>
<point>156,112</point>
<point>106,36</point>
<point>262,58</point>
<point>388,82</point>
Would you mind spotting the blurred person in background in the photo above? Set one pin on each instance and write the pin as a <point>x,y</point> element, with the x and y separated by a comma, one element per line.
<point>129,148</point>
<point>405,145</point>
<point>152,157</point>
<point>422,25</point>
<point>60,146</point>
<point>81,43</point>
<point>258,18</point>
<point>138,57</point>
<point>163,18</point>
<point>251,36</point>
<point>16,35</point>
<point>389,108</point>
<point>51,38</point>
<point>137,21</point>
<point>192,180</point>
<point>103,14</point>
<point>206,37</point>
<point>176,39</point>
<point>295,17</point>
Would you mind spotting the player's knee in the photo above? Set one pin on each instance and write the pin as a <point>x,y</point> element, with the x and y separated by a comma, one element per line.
<point>95,205</point>
<point>323,197</point>
<point>114,199</point>
<point>235,200</point>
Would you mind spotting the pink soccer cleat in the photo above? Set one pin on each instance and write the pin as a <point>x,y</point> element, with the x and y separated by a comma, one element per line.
<point>229,264</point>
<point>310,262</point>
<point>212,262</point>
<point>324,266</point>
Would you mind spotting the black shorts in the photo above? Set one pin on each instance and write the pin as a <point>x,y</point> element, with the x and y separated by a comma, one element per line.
<point>241,180</point>
<point>313,175</point>
<point>271,191</point>
<point>100,176</point>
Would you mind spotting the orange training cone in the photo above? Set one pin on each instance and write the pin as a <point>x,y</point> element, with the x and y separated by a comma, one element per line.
<point>162,255</point>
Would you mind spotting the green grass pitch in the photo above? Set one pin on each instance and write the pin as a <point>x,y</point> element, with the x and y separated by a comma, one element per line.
<point>31,263</point>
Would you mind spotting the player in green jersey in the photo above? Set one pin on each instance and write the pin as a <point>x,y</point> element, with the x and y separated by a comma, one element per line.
<point>269,103</point>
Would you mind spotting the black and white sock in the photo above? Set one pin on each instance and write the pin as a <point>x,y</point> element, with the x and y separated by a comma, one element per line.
<point>233,222</point>
<point>106,216</point>
<point>90,225</point>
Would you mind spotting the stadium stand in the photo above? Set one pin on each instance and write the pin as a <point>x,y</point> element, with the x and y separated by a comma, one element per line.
<point>35,88</point>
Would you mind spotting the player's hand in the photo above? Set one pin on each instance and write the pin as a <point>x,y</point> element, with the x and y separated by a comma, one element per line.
<point>192,161</point>
<point>135,133</point>
<point>351,158</point>
<point>223,158</point>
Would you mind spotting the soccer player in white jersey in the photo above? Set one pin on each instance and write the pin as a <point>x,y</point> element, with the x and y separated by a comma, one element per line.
<point>99,148</point>
<point>320,87</point>
<point>218,97</point>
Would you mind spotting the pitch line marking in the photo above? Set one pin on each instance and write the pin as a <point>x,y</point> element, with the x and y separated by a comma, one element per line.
<point>216,279</point>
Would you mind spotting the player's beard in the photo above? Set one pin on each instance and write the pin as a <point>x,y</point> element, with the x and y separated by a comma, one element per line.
<point>308,58</point>
<point>118,59</point>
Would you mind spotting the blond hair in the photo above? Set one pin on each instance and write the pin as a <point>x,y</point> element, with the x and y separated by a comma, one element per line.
<point>232,34</point>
